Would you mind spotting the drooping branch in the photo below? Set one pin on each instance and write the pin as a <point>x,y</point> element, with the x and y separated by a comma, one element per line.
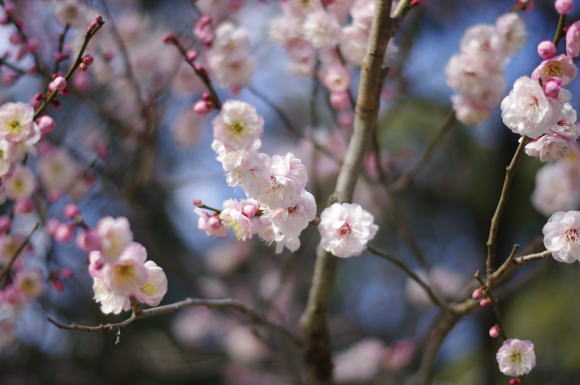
<point>171,308</point>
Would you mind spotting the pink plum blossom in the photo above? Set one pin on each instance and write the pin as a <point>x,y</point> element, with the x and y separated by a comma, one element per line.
<point>17,124</point>
<point>155,288</point>
<point>211,224</point>
<point>115,235</point>
<point>240,217</point>
<point>573,39</point>
<point>322,29</point>
<point>127,274</point>
<point>345,229</point>
<point>237,126</point>
<point>20,184</point>
<point>560,66</point>
<point>110,303</point>
<point>556,189</point>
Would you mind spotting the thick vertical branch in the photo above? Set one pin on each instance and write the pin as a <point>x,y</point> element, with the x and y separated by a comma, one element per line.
<point>313,322</point>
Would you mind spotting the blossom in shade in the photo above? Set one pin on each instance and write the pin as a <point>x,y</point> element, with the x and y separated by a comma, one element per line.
<point>29,283</point>
<point>526,110</point>
<point>516,357</point>
<point>20,184</point>
<point>510,33</point>
<point>237,126</point>
<point>127,274</point>
<point>557,188</point>
<point>562,236</point>
<point>345,229</point>
<point>154,289</point>
<point>115,234</point>
<point>17,124</point>
<point>573,39</point>
<point>322,30</point>
<point>211,224</point>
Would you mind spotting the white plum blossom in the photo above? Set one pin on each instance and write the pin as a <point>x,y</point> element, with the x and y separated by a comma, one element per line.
<point>155,288</point>
<point>510,33</point>
<point>20,184</point>
<point>557,188</point>
<point>109,301</point>
<point>283,183</point>
<point>549,148</point>
<point>238,126</point>
<point>322,30</point>
<point>526,110</point>
<point>240,216</point>
<point>115,235</point>
<point>516,357</point>
<point>127,274</point>
<point>562,236</point>
<point>345,229</point>
<point>286,224</point>
<point>17,124</point>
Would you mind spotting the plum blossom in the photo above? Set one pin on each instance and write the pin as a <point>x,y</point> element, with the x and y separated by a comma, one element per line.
<point>573,39</point>
<point>557,188</point>
<point>345,229</point>
<point>360,362</point>
<point>155,288</point>
<point>526,110</point>
<point>510,33</point>
<point>29,283</point>
<point>284,182</point>
<point>211,224</point>
<point>549,148</point>
<point>240,216</point>
<point>560,66</point>
<point>322,30</point>
<point>17,124</point>
<point>237,126</point>
<point>562,236</point>
<point>20,184</point>
<point>109,301</point>
<point>516,357</point>
<point>115,234</point>
<point>127,274</point>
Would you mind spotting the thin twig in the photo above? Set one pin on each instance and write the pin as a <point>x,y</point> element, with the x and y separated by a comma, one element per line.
<point>403,181</point>
<point>227,303</point>
<point>24,243</point>
<point>496,219</point>
<point>433,296</point>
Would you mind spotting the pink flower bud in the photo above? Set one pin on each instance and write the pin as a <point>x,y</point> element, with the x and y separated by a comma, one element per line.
<point>339,100</point>
<point>32,45</point>
<point>65,273</point>
<point>88,60</point>
<point>191,55</point>
<point>9,8</point>
<point>57,284</point>
<point>214,222</point>
<point>197,202</point>
<point>201,107</point>
<point>485,302</point>
<point>24,206</point>
<point>89,240</point>
<point>4,20</point>
<point>15,38</point>
<point>515,381</point>
<point>494,331</point>
<point>5,223</point>
<point>170,38</point>
<point>51,226</point>
<point>58,84</point>
<point>564,7</point>
<point>46,124</point>
<point>477,294</point>
<point>552,87</point>
<point>72,211</point>
<point>546,49</point>
<point>249,210</point>
<point>82,81</point>
<point>346,118</point>
<point>64,233</point>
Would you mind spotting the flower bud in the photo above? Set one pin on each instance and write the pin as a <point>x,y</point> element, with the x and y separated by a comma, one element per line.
<point>5,223</point>
<point>477,294</point>
<point>564,7</point>
<point>201,107</point>
<point>64,233</point>
<point>46,124</point>
<point>249,210</point>
<point>546,49</point>
<point>485,302</point>
<point>72,211</point>
<point>494,331</point>
<point>339,100</point>
<point>552,87</point>
<point>58,84</point>
<point>515,381</point>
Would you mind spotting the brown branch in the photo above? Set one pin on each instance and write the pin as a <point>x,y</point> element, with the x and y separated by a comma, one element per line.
<point>313,321</point>
<point>24,243</point>
<point>433,296</point>
<point>171,308</point>
<point>88,36</point>
<point>496,219</point>
<point>407,177</point>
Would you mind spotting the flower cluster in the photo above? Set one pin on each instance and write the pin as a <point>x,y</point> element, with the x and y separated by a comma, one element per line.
<point>278,207</point>
<point>476,74</point>
<point>229,59</point>
<point>557,186</point>
<point>118,265</point>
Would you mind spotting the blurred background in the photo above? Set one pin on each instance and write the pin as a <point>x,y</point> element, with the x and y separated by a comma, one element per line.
<point>158,160</point>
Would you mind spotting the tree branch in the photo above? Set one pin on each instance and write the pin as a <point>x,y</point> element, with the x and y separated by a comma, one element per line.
<point>24,243</point>
<point>171,308</point>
